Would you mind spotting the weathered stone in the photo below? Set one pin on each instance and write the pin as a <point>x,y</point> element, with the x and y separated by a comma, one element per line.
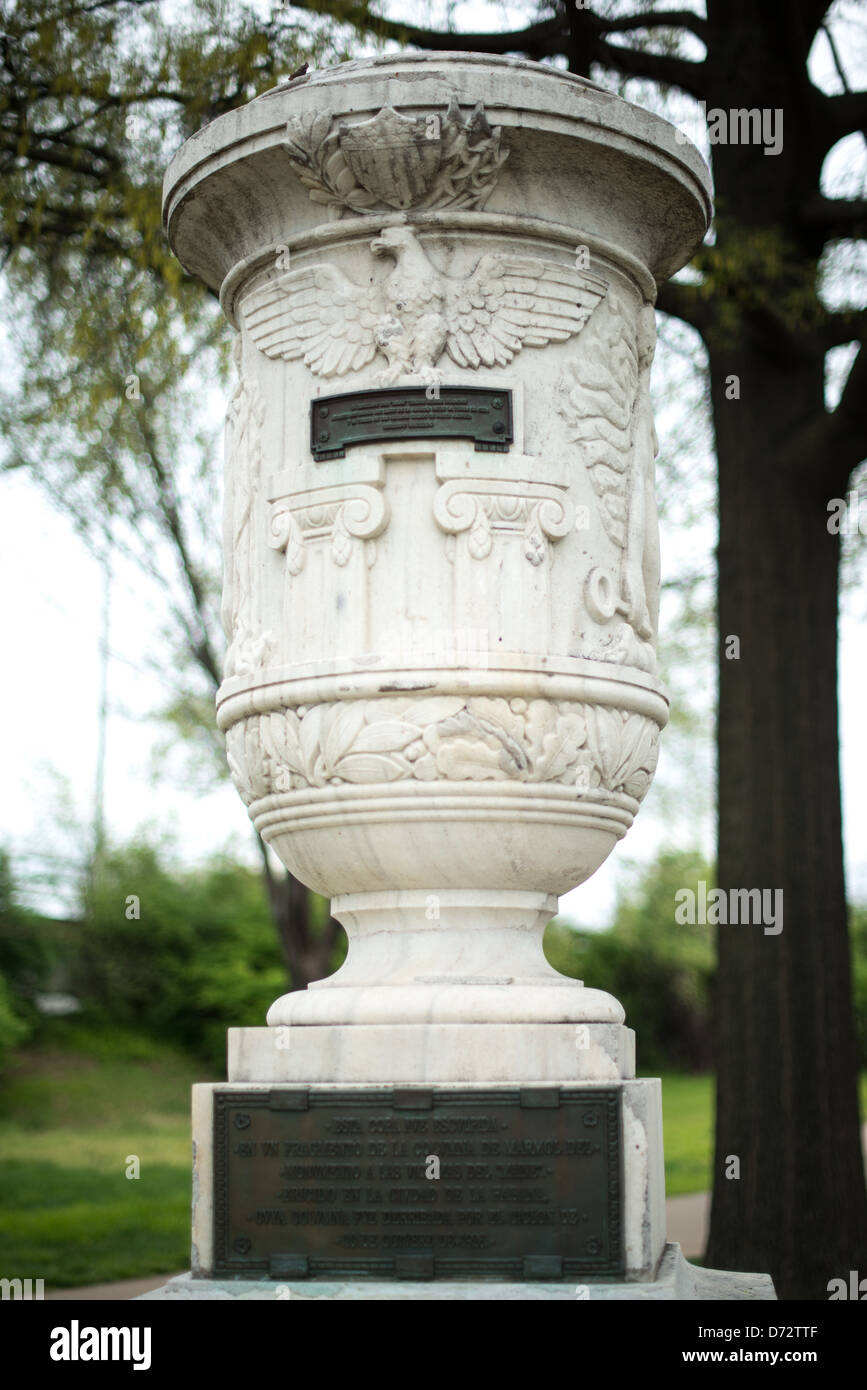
<point>441,702</point>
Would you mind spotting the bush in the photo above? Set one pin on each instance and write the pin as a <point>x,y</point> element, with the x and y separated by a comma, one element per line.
<point>13,1028</point>
<point>25,962</point>
<point>661,972</point>
<point>182,954</point>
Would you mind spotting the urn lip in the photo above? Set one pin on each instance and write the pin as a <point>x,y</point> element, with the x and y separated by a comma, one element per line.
<point>230,185</point>
<point>394,62</point>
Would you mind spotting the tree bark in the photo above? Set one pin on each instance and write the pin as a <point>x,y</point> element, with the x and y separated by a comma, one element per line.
<point>786,1053</point>
<point>307,953</point>
<point>787,1105</point>
<point>787,1067</point>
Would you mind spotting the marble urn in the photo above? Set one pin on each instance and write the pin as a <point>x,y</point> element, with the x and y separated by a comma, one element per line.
<point>441,703</point>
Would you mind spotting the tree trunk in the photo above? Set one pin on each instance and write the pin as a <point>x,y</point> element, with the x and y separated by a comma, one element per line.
<point>786,1100</point>
<point>307,953</point>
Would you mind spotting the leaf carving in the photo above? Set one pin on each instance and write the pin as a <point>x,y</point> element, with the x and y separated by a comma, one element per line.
<point>480,739</point>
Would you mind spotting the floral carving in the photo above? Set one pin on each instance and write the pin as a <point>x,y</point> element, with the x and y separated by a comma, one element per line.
<point>431,161</point>
<point>443,737</point>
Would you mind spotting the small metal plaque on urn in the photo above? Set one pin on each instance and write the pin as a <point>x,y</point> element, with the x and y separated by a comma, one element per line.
<point>411,412</point>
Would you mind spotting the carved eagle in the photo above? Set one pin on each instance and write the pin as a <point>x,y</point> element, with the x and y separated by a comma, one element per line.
<point>416,314</point>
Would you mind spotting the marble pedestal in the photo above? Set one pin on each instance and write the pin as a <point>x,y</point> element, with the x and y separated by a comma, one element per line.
<point>640,1209</point>
<point>676,1281</point>
<point>439,1058</point>
<point>441,700</point>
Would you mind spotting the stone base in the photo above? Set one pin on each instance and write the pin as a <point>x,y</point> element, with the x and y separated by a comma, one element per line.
<point>642,1210</point>
<point>676,1281</point>
<point>436,1053</point>
<point>445,956</point>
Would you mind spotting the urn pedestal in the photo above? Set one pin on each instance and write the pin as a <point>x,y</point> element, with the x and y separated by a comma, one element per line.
<point>440,700</point>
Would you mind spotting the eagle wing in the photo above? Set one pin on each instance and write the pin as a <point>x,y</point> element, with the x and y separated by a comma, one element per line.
<point>316,313</point>
<point>510,302</point>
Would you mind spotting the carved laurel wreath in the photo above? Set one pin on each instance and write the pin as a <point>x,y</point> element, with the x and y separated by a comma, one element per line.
<point>469,160</point>
<point>443,737</point>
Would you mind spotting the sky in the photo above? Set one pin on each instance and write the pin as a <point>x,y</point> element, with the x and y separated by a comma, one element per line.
<point>53,592</point>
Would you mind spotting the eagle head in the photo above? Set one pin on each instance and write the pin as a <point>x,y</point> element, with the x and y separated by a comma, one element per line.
<point>392,241</point>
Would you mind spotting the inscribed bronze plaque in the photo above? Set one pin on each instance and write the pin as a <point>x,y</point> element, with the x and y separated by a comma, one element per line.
<point>510,1183</point>
<point>411,412</point>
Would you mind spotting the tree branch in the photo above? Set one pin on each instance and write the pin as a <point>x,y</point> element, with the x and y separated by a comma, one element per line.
<point>830,446</point>
<point>538,40</point>
<point>841,326</point>
<point>77,10</point>
<point>690,77</point>
<point>36,153</point>
<point>837,217</point>
<point>848,113</point>
<point>658,19</point>
<point>685,302</point>
<point>199,640</point>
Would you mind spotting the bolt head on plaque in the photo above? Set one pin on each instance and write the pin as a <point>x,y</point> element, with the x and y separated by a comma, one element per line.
<point>441,702</point>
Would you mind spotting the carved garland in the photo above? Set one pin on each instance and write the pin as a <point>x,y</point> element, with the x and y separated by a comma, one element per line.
<point>432,161</point>
<point>443,737</point>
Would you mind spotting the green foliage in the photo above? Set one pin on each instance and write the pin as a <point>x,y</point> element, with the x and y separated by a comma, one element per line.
<point>104,402</point>
<point>13,1029</point>
<point>72,1110</point>
<point>201,955</point>
<point>24,964</point>
<point>660,972</point>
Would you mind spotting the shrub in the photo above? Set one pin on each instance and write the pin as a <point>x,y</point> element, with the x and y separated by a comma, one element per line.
<point>661,972</point>
<point>181,954</point>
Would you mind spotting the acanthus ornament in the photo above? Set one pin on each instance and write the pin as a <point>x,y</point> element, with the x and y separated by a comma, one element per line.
<point>604,397</point>
<point>430,161</point>
<point>443,737</point>
<point>248,649</point>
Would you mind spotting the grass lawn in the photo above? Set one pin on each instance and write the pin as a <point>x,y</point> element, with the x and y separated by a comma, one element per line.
<point>687,1129</point>
<point>687,1132</point>
<point>73,1110</point>
<point>71,1113</point>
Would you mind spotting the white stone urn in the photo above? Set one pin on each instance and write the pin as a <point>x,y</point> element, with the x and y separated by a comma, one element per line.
<point>440,700</point>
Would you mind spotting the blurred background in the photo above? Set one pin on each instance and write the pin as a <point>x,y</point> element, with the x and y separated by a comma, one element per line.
<point>139,914</point>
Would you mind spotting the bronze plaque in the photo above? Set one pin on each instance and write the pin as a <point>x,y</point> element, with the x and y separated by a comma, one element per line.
<point>411,412</point>
<point>511,1183</point>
